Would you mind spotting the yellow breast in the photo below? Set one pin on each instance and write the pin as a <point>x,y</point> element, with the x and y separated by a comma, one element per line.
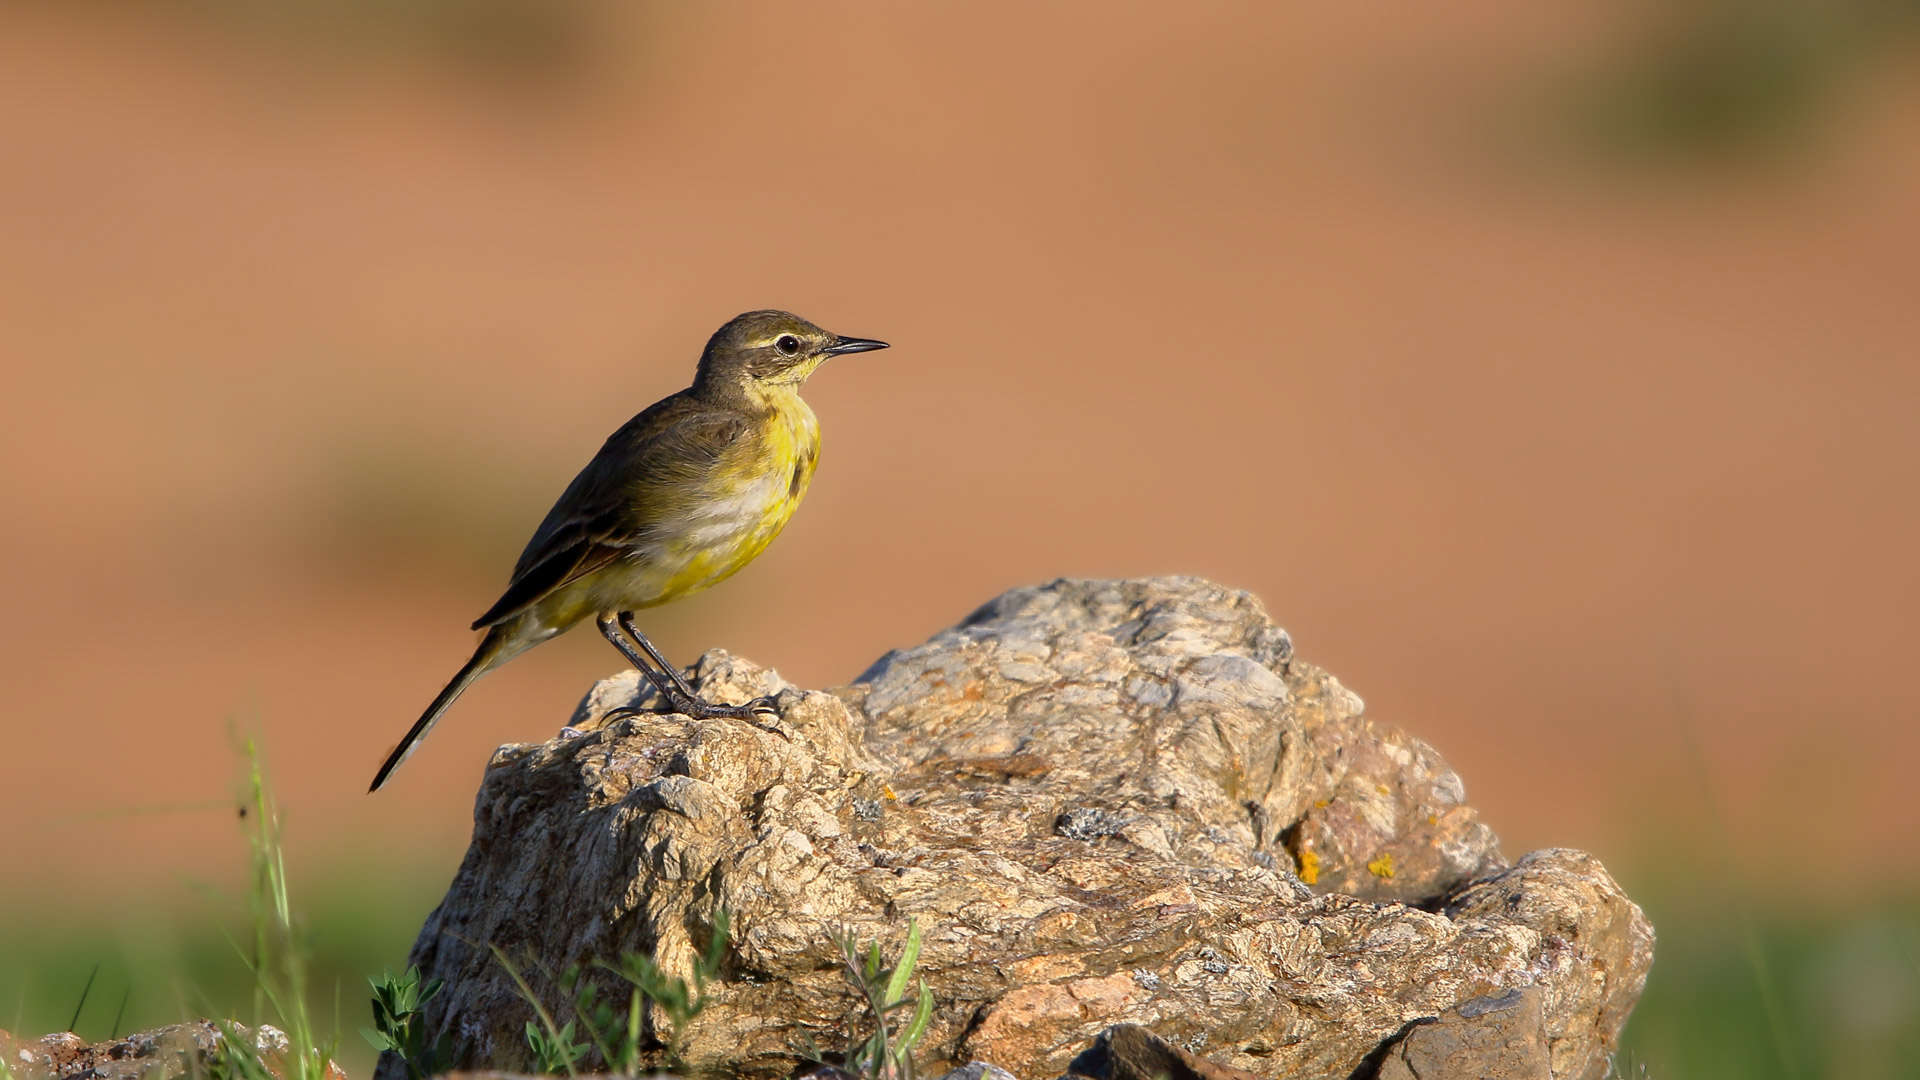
<point>749,497</point>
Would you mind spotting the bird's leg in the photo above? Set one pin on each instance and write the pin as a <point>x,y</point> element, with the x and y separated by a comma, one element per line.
<point>610,630</point>
<point>681,696</point>
<point>626,623</point>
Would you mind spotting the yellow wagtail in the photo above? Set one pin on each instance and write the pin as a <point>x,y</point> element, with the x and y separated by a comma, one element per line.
<point>679,498</point>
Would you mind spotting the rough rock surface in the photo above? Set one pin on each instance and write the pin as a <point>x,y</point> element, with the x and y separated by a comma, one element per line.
<point>1106,802</point>
<point>1502,1037</point>
<point>1131,1052</point>
<point>178,1050</point>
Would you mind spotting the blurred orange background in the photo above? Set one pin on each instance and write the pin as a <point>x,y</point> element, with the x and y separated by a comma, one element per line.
<point>1551,454</point>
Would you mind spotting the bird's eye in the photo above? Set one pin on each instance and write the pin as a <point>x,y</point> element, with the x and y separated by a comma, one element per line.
<point>787,344</point>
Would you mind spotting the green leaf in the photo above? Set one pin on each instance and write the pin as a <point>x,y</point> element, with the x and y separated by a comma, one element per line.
<point>897,985</point>
<point>917,1027</point>
<point>631,1064</point>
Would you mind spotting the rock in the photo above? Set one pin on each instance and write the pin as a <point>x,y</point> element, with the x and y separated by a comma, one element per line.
<point>978,1070</point>
<point>973,1070</point>
<point>1177,708</point>
<point>1105,802</point>
<point>1501,1037</point>
<point>830,1072</point>
<point>166,1053</point>
<point>487,1075</point>
<point>1597,948</point>
<point>1131,1052</point>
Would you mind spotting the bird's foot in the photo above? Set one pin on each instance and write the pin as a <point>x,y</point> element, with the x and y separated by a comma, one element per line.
<point>754,712</point>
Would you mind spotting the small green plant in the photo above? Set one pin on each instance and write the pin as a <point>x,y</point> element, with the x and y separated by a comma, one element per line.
<point>555,1051</point>
<point>278,958</point>
<point>238,1057</point>
<point>887,1054</point>
<point>400,1024</point>
<point>616,1036</point>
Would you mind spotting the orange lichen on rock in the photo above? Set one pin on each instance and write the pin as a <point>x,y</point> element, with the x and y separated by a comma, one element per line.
<point>1309,867</point>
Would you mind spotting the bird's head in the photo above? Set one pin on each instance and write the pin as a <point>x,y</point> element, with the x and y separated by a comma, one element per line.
<point>771,348</point>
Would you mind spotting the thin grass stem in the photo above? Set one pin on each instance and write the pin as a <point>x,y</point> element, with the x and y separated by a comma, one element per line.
<point>546,1021</point>
<point>84,991</point>
<point>121,1013</point>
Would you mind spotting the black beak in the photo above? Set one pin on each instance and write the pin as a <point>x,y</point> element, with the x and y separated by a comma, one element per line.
<point>844,345</point>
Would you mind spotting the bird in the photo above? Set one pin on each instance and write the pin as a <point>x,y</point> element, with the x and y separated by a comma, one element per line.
<point>678,499</point>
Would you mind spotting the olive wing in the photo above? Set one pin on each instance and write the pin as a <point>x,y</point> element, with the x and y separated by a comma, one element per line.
<point>643,474</point>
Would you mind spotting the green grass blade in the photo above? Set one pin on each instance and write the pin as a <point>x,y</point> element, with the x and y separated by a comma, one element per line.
<point>917,1027</point>
<point>539,1010</point>
<point>84,991</point>
<point>632,1061</point>
<point>121,1013</point>
<point>909,956</point>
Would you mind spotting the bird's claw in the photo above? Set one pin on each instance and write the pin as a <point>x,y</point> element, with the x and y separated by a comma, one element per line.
<point>753,712</point>
<point>707,710</point>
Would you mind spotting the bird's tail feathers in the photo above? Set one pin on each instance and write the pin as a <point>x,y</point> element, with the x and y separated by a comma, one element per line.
<point>484,658</point>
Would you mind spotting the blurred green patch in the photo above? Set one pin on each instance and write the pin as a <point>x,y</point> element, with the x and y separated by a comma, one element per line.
<point>1716,79</point>
<point>1794,970</point>
<point>1846,977</point>
<point>158,965</point>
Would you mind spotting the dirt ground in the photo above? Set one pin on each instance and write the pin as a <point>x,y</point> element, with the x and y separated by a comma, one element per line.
<point>1550,465</point>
